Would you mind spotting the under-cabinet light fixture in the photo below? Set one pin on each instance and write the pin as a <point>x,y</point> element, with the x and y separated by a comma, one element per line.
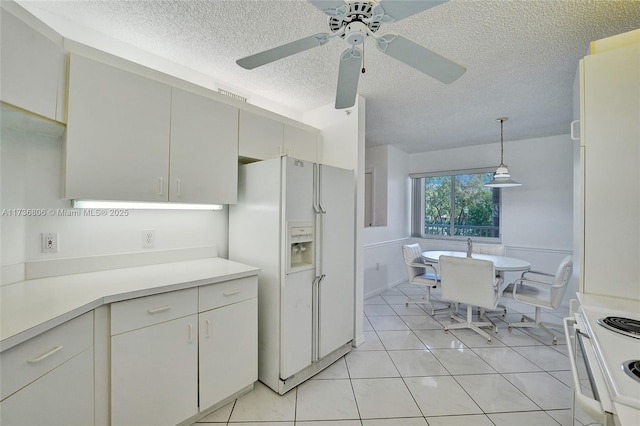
<point>99,204</point>
<point>502,178</point>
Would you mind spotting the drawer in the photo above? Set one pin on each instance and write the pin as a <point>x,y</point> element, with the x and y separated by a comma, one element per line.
<point>30,360</point>
<point>145,311</point>
<point>227,292</point>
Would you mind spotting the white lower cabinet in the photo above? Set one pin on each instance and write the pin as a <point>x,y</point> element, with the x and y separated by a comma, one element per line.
<point>48,380</point>
<point>62,397</point>
<point>154,374</point>
<point>228,350</point>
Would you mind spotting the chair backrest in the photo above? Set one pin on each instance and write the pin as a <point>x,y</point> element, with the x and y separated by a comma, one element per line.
<point>470,281</point>
<point>561,279</point>
<point>412,253</point>
<point>492,249</point>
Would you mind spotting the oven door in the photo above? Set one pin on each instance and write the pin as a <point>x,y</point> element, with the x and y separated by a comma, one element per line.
<point>591,399</point>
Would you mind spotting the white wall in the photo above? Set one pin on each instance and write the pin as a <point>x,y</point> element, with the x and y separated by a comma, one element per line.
<point>376,161</point>
<point>537,218</point>
<point>32,179</point>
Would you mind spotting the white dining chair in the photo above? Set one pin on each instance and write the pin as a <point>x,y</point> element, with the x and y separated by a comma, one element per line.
<point>543,291</point>
<point>492,249</point>
<point>472,282</point>
<point>421,274</point>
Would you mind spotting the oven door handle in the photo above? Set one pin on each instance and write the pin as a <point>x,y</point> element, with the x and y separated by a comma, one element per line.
<point>591,406</point>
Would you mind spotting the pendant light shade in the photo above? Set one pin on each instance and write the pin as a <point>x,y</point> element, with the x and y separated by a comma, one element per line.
<point>502,178</point>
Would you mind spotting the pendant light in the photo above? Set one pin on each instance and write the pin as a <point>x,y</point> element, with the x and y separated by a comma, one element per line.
<point>502,178</point>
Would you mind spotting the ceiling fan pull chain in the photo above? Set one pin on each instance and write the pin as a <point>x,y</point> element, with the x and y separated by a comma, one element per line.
<point>363,68</point>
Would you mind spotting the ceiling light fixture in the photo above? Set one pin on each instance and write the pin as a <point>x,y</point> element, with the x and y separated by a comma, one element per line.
<point>502,178</point>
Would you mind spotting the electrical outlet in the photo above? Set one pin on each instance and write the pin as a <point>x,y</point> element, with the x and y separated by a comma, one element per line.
<point>148,238</point>
<point>49,242</point>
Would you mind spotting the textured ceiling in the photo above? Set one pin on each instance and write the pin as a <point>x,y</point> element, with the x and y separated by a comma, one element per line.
<point>521,58</point>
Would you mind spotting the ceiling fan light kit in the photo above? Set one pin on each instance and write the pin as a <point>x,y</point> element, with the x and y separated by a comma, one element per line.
<point>355,21</point>
<point>502,178</point>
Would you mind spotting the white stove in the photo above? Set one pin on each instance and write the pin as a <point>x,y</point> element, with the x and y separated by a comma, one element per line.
<point>607,332</point>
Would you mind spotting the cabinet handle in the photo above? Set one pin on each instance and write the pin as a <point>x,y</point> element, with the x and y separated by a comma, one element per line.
<point>45,355</point>
<point>208,333</point>
<point>158,310</point>
<point>160,186</point>
<point>190,333</point>
<point>178,187</point>
<point>573,135</point>
<point>231,293</point>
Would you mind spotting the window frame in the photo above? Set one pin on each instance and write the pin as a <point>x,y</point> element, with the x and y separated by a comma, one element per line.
<point>417,207</point>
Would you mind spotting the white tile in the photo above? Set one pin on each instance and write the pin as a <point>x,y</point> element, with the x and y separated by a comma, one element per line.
<point>468,420</point>
<point>328,423</point>
<point>221,415</point>
<point>337,370</point>
<point>537,418</point>
<point>516,338</point>
<point>505,360</point>
<point>473,340</point>
<point>263,404</point>
<point>565,376</point>
<point>462,361</point>
<point>435,339</point>
<point>408,421</point>
<point>396,300</point>
<point>371,342</point>
<point>366,325</point>
<point>423,322</point>
<point>392,292</point>
<point>414,291</point>
<point>564,417</point>
<point>545,390</point>
<point>394,340</point>
<point>413,309</point>
<point>384,398</point>
<point>417,363</point>
<point>388,323</point>
<point>326,400</point>
<point>494,394</point>
<point>441,396</point>
<point>370,364</point>
<point>375,310</point>
<point>545,357</point>
<point>264,424</point>
<point>375,300</point>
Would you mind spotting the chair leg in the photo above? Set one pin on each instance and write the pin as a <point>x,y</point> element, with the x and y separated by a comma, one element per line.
<point>528,322</point>
<point>468,323</point>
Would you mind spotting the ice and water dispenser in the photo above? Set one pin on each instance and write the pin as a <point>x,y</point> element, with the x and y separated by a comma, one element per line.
<point>300,246</point>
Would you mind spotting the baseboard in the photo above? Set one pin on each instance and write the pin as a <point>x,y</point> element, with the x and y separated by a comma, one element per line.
<point>12,273</point>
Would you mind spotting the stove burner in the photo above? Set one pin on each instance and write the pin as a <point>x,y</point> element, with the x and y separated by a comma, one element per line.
<point>632,368</point>
<point>626,326</point>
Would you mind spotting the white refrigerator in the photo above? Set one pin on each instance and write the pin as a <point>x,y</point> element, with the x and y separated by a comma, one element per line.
<point>296,221</point>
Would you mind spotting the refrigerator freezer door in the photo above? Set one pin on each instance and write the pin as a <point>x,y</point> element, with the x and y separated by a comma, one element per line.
<point>337,259</point>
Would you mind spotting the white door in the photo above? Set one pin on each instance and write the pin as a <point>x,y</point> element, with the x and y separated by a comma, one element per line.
<point>154,374</point>
<point>337,258</point>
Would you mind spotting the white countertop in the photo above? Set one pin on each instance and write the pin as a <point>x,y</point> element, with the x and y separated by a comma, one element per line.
<point>29,308</point>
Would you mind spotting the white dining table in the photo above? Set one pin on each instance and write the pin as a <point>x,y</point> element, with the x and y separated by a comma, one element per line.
<point>501,263</point>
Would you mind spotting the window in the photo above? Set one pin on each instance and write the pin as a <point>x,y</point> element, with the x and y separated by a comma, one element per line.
<point>455,205</point>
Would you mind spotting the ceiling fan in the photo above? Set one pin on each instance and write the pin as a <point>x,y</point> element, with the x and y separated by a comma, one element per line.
<point>354,21</point>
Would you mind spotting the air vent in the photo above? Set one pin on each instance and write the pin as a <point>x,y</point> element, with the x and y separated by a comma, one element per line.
<point>232,95</point>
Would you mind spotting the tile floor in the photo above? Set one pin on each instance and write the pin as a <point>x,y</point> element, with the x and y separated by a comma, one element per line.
<point>410,373</point>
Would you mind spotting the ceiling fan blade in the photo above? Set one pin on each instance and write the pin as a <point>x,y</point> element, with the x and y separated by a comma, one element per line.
<point>420,58</point>
<point>271,55</point>
<point>348,75</point>
<point>395,10</point>
<point>329,7</point>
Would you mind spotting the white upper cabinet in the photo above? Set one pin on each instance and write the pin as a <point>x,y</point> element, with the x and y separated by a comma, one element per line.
<point>32,75</point>
<point>117,134</point>
<point>300,143</point>
<point>136,139</point>
<point>260,137</point>
<point>204,150</point>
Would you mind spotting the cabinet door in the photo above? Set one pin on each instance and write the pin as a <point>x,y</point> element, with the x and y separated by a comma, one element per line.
<point>154,374</point>
<point>228,350</point>
<point>204,150</point>
<point>63,396</point>
<point>260,137</point>
<point>300,143</point>
<point>32,68</point>
<point>117,142</point>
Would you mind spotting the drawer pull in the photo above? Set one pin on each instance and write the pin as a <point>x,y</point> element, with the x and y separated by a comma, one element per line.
<point>231,293</point>
<point>208,333</point>
<point>46,355</point>
<point>158,310</point>
<point>190,333</point>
